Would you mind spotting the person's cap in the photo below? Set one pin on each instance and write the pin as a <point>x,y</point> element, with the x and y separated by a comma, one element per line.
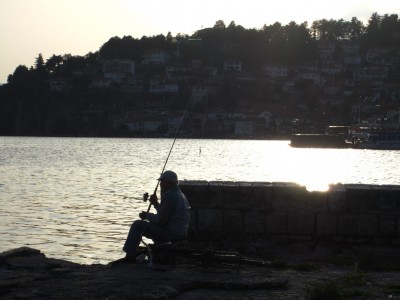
<point>168,175</point>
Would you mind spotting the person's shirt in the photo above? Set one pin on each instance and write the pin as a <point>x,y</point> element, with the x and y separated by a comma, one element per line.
<point>173,213</point>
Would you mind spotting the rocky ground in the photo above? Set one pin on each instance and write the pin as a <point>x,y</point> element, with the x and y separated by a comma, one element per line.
<point>293,272</point>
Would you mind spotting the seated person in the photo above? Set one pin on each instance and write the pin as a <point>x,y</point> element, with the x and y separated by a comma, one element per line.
<point>169,224</point>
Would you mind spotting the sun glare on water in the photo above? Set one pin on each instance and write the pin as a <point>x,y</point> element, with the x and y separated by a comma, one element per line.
<point>314,168</point>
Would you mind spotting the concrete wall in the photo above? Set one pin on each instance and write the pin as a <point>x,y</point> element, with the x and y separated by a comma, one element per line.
<point>287,211</point>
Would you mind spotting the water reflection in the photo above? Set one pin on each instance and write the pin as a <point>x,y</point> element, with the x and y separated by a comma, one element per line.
<point>76,198</point>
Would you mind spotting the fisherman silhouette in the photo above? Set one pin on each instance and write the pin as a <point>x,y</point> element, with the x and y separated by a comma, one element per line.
<point>169,224</point>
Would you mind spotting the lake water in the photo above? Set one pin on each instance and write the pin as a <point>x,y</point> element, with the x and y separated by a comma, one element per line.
<point>75,198</point>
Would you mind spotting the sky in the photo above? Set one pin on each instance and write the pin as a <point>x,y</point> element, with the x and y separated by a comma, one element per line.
<point>77,27</point>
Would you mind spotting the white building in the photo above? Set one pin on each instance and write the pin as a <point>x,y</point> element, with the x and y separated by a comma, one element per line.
<point>326,49</point>
<point>117,70</point>
<point>275,71</point>
<point>314,77</point>
<point>352,60</point>
<point>155,57</point>
<point>60,85</point>
<point>200,94</point>
<point>233,65</point>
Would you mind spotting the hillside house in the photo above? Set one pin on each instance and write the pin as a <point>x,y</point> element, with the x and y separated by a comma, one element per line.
<point>275,71</point>
<point>101,83</point>
<point>315,77</point>
<point>117,70</point>
<point>332,69</point>
<point>160,86</point>
<point>244,127</point>
<point>233,66</point>
<point>352,60</point>
<point>288,86</point>
<point>60,85</point>
<point>155,57</point>
<point>217,114</point>
<point>326,50</point>
<point>146,124</point>
<point>200,94</point>
<point>350,48</point>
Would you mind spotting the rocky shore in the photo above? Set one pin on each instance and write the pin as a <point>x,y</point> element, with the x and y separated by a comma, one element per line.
<point>293,272</point>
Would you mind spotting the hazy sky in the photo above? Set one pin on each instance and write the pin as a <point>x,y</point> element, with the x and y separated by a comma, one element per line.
<point>30,27</point>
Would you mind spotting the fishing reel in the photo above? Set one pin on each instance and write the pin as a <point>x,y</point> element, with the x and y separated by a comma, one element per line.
<point>145,197</point>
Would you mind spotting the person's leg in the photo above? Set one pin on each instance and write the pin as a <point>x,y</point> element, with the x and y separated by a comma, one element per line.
<point>157,234</point>
<point>134,236</point>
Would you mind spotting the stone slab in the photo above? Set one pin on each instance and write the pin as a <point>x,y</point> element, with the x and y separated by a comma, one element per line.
<point>233,222</point>
<point>254,222</point>
<point>202,199</point>
<point>326,224</point>
<point>301,223</point>
<point>367,225</point>
<point>389,197</point>
<point>361,198</point>
<point>262,196</point>
<point>276,223</point>
<point>347,224</point>
<point>337,198</point>
<point>210,221</point>
<point>293,197</point>
<point>387,225</point>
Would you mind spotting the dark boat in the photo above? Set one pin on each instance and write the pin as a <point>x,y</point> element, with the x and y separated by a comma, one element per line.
<point>319,141</point>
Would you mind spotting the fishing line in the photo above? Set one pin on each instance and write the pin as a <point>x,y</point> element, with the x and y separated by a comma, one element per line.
<point>206,104</point>
<point>176,136</point>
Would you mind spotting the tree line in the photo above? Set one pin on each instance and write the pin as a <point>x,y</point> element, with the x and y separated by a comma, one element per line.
<point>26,105</point>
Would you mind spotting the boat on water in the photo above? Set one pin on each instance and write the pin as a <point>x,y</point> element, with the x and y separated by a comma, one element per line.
<point>335,137</point>
<point>318,141</point>
<point>382,140</point>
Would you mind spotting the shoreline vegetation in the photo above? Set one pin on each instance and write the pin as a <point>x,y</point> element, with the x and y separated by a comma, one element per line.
<point>243,83</point>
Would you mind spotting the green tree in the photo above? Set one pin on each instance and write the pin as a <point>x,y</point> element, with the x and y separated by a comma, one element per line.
<point>40,67</point>
<point>53,63</point>
<point>220,25</point>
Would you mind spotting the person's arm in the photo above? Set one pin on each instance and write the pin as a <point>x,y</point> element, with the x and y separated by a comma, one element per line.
<point>162,215</point>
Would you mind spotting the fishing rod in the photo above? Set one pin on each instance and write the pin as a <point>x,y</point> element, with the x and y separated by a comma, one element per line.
<point>146,195</point>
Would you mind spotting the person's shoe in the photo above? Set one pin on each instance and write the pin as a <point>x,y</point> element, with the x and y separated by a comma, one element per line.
<point>128,259</point>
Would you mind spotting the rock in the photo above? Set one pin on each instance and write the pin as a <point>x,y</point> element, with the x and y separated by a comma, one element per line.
<point>184,281</point>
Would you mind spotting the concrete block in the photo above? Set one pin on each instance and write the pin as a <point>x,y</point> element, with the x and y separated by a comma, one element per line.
<point>316,201</point>
<point>387,225</point>
<point>337,198</point>
<point>347,224</point>
<point>293,197</point>
<point>193,221</point>
<point>276,223</point>
<point>301,223</point>
<point>229,199</point>
<point>396,242</point>
<point>262,196</point>
<point>279,239</point>
<point>202,199</point>
<point>215,186</point>
<point>398,226</point>
<point>254,222</point>
<point>367,225</point>
<point>326,224</point>
<point>209,220</point>
<point>233,222</point>
<point>234,195</point>
<point>389,197</point>
<point>287,196</point>
<point>299,238</point>
<point>361,198</point>
<point>190,186</point>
